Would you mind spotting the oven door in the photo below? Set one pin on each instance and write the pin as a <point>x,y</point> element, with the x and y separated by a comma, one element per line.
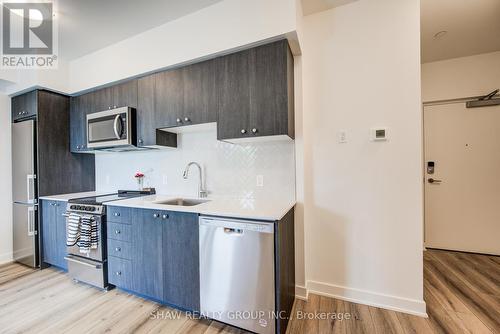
<point>110,128</point>
<point>98,254</point>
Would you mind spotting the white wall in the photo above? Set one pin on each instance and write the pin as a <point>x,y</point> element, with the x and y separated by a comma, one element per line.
<point>6,172</point>
<point>461,77</point>
<point>230,170</point>
<point>363,199</point>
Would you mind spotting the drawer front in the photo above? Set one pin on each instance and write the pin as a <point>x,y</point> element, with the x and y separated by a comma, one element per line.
<point>121,249</point>
<point>120,272</point>
<point>118,231</point>
<point>118,214</point>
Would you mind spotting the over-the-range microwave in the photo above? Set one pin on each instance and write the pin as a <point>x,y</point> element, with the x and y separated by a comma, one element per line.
<point>114,128</point>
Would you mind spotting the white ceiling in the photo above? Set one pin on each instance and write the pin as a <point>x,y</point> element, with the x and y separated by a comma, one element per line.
<point>89,25</point>
<point>315,6</point>
<point>473,27</point>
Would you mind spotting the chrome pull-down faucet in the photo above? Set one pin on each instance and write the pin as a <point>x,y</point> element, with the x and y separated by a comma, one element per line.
<point>202,193</point>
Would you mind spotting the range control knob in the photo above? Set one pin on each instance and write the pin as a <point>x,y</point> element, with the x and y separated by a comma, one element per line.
<point>92,209</point>
<point>73,207</point>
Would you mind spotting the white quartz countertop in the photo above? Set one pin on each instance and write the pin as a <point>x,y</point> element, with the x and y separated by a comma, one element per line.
<point>268,210</point>
<point>66,197</point>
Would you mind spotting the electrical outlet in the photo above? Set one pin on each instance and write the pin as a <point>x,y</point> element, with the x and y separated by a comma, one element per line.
<point>342,137</point>
<point>260,180</point>
<point>165,180</point>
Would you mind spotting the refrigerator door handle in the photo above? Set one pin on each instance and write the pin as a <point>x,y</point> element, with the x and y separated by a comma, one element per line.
<point>31,221</point>
<point>30,185</point>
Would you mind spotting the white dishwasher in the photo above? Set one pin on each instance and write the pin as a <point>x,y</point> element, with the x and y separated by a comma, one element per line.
<point>237,273</point>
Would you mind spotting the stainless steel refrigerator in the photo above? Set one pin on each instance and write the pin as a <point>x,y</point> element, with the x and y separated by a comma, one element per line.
<point>24,193</point>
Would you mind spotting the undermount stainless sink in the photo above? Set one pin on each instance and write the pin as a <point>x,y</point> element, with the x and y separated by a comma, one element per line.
<point>183,202</point>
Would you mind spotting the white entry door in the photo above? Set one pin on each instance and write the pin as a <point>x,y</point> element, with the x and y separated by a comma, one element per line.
<point>462,196</point>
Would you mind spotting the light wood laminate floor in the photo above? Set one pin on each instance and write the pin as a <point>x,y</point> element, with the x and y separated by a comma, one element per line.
<point>462,292</point>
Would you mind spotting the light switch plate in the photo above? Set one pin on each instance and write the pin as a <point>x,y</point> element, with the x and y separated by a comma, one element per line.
<point>342,136</point>
<point>260,180</point>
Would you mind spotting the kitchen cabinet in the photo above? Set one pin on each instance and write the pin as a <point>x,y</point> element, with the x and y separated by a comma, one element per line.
<point>181,270</point>
<point>199,83</point>
<point>24,105</point>
<point>147,253</point>
<point>78,124</point>
<point>54,232</point>
<point>149,119</point>
<point>256,93</point>
<point>169,98</point>
<point>116,96</point>
<point>187,95</point>
<point>163,260</point>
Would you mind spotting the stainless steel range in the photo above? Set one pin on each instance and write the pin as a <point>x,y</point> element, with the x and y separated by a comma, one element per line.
<point>91,267</point>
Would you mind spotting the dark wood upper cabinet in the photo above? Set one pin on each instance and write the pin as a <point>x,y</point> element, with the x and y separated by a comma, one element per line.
<point>200,93</point>
<point>150,119</point>
<point>248,93</point>
<point>169,98</point>
<point>146,116</point>
<point>24,105</point>
<point>256,93</point>
<point>235,80</point>
<point>123,95</point>
<point>77,121</point>
<point>185,96</point>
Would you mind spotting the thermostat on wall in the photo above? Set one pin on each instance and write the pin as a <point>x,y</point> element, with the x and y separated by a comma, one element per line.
<point>379,134</point>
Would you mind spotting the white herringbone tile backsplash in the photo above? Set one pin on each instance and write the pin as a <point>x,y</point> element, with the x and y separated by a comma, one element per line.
<point>230,169</point>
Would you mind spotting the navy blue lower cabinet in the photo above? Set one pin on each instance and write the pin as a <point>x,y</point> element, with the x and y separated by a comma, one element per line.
<point>155,254</point>
<point>53,232</point>
<point>120,273</point>
<point>181,264</point>
<point>147,253</point>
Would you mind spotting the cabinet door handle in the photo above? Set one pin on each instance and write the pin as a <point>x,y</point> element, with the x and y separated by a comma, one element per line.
<point>243,131</point>
<point>165,216</point>
<point>117,231</point>
<point>179,120</point>
<point>254,130</point>
<point>118,273</point>
<point>118,249</point>
<point>186,119</point>
<point>156,215</point>
<point>117,214</point>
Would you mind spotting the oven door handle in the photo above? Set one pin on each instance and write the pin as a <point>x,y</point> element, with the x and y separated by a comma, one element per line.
<point>95,266</point>
<point>115,127</point>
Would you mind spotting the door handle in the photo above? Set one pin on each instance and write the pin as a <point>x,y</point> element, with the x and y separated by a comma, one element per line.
<point>431,180</point>
<point>31,221</point>
<point>30,188</point>
<point>71,259</point>
<point>115,127</point>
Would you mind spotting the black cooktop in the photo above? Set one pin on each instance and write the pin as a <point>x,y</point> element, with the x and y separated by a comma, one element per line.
<point>121,194</point>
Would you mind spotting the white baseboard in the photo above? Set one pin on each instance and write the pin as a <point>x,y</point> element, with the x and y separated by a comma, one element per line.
<point>394,303</point>
<point>5,257</point>
<point>301,292</point>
